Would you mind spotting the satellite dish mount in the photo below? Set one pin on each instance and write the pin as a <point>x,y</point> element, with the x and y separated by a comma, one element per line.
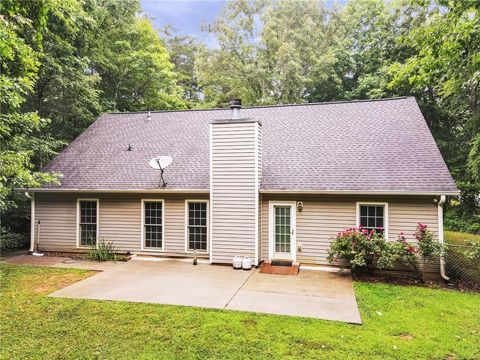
<point>161,163</point>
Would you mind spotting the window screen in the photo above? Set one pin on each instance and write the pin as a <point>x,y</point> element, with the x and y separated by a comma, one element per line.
<point>197,226</point>
<point>372,217</point>
<point>88,223</point>
<point>153,227</point>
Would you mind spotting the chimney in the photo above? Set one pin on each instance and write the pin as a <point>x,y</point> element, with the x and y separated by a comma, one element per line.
<point>235,105</point>
<point>235,175</point>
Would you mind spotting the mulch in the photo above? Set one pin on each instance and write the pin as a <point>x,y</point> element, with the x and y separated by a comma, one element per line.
<point>35,260</point>
<point>409,281</point>
<point>279,270</point>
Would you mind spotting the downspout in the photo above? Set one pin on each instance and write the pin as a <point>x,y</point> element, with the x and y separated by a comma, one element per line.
<point>440,237</point>
<point>32,220</point>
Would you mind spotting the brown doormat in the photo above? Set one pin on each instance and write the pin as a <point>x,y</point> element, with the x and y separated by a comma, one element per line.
<point>268,268</point>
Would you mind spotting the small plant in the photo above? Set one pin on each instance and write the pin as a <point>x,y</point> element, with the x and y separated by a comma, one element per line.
<point>472,254</point>
<point>105,251</point>
<point>361,248</point>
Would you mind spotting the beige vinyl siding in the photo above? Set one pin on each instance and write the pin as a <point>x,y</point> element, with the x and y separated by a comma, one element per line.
<point>58,221</point>
<point>234,187</point>
<point>323,216</point>
<point>119,221</point>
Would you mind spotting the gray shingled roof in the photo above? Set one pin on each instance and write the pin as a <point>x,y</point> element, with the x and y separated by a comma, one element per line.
<point>378,145</point>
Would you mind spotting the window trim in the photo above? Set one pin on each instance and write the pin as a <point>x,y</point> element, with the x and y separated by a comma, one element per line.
<point>385,214</point>
<point>97,200</point>
<point>142,230</point>
<point>187,201</point>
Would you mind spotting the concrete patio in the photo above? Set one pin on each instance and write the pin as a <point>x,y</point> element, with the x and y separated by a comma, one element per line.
<point>315,294</point>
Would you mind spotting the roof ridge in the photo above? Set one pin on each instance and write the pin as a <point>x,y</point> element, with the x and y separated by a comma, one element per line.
<point>264,106</point>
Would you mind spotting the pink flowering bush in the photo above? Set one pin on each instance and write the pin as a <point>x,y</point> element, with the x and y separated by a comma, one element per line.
<point>362,248</point>
<point>408,254</point>
<point>423,250</point>
<point>368,249</point>
<point>428,246</point>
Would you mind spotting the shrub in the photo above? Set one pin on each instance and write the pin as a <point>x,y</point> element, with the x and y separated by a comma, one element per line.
<point>12,241</point>
<point>361,248</point>
<point>428,246</point>
<point>408,253</point>
<point>472,254</point>
<point>105,251</point>
<point>455,223</point>
<point>425,249</point>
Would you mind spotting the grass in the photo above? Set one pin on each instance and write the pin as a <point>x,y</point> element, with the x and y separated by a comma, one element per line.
<point>399,323</point>
<point>459,238</point>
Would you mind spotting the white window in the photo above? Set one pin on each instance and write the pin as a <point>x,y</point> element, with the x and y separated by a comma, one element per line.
<point>196,225</point>
<point>373,216</point>
<point>152,224</point>
<point>87,222</point>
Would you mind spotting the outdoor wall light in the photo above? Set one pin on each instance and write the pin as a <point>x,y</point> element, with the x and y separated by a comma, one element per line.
<point>299,205</point>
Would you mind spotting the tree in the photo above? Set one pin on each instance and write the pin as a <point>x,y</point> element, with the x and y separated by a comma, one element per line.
<point>131,61</point>
<point>21,140</point>
<point>183,50</point>
<point>444,72</point>
<point>269,52</point>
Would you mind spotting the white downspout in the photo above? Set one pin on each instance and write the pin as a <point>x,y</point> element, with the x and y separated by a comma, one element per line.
<point>440,236</point>
<point>32,219</point>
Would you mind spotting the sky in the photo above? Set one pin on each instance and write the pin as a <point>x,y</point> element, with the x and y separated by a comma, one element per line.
<point>184,15</point>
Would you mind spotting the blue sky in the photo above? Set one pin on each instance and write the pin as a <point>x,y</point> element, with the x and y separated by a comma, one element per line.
<point>184,15</point>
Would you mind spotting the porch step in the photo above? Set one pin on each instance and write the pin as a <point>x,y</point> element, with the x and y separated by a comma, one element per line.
<point>272,268</point>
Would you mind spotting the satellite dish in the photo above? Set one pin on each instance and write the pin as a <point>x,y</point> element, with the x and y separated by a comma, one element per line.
<point>160,162</point>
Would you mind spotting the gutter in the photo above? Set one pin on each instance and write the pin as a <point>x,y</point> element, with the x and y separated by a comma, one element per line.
<point>153,191</point>
<point>360,192</point>
<point>441,238</point>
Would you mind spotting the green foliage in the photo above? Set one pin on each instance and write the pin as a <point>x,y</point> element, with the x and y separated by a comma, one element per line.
<point>61,64</point>
<point>104,251</point>
<point>183,51</point>
<point>361,248</point>
<point>472,254</point>
<point>12,241</point>
<point>369,249</point>
<point>424,250</point>
<point>458,222</point>
<point>269,52</point>
<point>443,71</point>
<point>21,138</point>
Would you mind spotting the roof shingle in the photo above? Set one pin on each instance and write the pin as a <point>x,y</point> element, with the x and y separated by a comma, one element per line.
<point>377,145</point>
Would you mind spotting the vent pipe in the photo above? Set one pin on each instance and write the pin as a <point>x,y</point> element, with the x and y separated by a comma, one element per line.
<point>235,105</point>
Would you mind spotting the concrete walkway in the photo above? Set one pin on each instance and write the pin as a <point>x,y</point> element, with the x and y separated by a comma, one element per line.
<point>314,294</point>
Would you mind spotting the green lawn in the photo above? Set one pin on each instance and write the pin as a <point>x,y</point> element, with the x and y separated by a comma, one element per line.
<point>399,323</point>
<point>459,238</point>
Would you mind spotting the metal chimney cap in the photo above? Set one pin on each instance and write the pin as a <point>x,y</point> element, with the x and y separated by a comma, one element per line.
<point>235,103</point>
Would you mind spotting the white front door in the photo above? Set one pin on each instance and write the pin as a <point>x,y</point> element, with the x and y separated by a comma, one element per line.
<point>282,232</point>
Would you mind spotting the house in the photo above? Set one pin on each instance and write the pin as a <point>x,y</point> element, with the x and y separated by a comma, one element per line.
<point>267,182</point>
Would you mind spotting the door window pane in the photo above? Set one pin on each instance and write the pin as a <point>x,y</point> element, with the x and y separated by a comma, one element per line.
<point>282,229</point>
